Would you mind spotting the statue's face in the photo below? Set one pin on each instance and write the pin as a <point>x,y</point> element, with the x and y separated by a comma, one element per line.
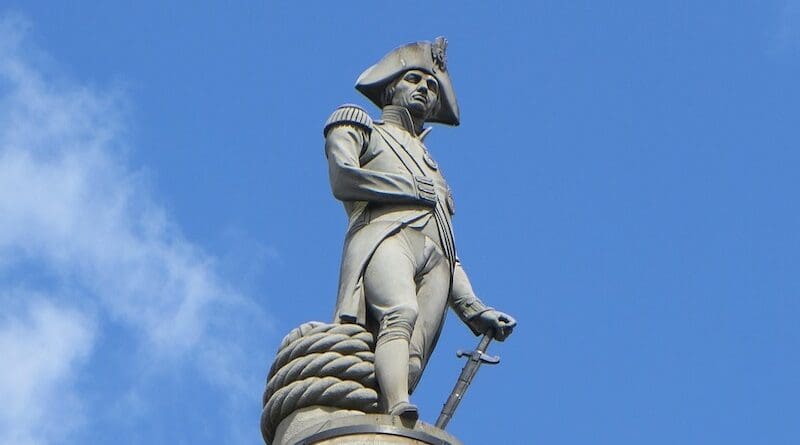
<point>417,91</point>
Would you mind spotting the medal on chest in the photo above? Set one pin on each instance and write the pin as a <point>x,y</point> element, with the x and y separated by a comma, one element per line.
<point>425,155</point>
<point>429,160</point>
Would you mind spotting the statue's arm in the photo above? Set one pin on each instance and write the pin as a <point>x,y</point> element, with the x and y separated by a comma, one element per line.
<point>479,318</point>
<point>346,138</point>
<point>464,301</point>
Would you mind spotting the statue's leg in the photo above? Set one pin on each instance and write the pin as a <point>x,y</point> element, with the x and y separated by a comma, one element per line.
<point>433,287</point>
<point>391,297</point>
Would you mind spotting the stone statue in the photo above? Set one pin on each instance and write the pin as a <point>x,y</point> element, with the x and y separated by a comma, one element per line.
<point>399,268</point>
<point>349,381</point>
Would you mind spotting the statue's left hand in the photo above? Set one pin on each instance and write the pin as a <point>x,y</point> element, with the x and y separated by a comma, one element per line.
<point>501,323</point>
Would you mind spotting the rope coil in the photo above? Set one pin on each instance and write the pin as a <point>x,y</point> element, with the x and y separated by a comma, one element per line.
<point>320,364</point>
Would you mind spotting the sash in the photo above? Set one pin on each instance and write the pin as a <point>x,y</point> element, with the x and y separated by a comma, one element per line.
<point>443,224</point>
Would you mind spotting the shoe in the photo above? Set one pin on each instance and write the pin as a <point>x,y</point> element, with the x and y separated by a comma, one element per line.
<point>405,410</point>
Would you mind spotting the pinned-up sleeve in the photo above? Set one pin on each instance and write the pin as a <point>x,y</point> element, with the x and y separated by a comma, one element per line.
<point>344,144</point>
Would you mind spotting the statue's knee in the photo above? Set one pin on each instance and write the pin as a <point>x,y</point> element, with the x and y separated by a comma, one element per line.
<point>398,322</point>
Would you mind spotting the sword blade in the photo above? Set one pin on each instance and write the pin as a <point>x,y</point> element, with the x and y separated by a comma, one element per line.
<point>464,379</point>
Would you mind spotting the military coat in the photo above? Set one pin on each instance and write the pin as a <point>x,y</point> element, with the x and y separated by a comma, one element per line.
<point>387,180</point>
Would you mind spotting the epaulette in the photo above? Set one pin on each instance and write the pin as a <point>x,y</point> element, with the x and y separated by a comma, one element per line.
<point>351,115</point>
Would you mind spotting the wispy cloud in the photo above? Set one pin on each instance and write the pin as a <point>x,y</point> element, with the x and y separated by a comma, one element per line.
<point>74,212</point>
<point>42,346</point>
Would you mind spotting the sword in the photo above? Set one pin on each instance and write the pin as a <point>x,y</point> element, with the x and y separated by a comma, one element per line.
<point>474,361</point>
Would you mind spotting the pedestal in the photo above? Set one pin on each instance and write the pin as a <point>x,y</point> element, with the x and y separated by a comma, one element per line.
<point>368,429</point>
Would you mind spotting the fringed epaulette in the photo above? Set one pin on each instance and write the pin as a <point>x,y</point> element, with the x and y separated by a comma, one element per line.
<point>349,114</point>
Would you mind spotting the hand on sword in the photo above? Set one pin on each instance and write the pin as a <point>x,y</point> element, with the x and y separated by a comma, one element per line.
<point>500,323</point>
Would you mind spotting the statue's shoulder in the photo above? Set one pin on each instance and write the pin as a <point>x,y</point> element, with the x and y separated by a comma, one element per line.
<point>349,114</point>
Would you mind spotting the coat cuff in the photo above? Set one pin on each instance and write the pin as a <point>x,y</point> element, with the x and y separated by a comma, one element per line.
<point>469,310</point>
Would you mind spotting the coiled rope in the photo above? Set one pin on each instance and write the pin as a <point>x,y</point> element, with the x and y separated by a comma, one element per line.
<point>320,364</point>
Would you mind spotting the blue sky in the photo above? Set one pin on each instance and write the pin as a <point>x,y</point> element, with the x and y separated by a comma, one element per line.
<point>624,177</point>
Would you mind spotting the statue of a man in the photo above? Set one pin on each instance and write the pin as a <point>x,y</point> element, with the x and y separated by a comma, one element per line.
<point>399,269</point>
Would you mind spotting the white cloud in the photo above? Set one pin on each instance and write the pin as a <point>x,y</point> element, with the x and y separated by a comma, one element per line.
<point>41,349</point>
<point>72,208</point>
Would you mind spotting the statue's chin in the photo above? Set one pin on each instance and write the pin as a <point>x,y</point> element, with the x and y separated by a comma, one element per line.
<point>417,109</point>
<point>419,114</point>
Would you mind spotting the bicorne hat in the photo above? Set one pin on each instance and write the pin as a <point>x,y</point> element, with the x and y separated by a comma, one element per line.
<point>426,56</point>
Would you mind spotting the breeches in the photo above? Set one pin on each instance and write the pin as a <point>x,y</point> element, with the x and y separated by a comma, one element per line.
<point>406,286</point>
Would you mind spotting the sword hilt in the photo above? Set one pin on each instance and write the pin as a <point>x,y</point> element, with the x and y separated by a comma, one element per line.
<point>480,356</point>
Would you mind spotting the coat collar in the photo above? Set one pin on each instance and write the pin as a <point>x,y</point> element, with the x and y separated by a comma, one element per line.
<point>400,117</point>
